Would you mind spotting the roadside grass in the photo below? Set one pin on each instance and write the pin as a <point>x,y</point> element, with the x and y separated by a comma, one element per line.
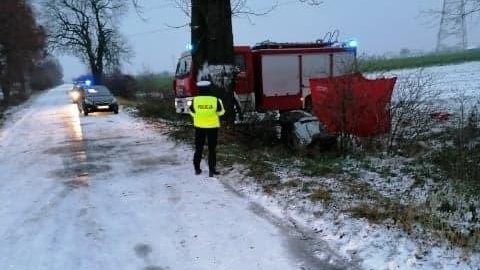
<point>155,83</point>
<point>454,160</point>
<point>371,213</point>
<point>259,163</point>
<point>154,107</point>
<point>182,133</point>
<point>416,217</point>
<point>308,186</point>
<point>127,103</point>
<point>321,194</point>
<point>322,165</point>
<point>434,59</point>
<point>155,97</point>
<point>165,83</point>
<point>292,183</point>
<point>462,166</point>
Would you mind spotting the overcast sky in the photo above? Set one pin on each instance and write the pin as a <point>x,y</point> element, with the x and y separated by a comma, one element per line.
<point>381,26</point>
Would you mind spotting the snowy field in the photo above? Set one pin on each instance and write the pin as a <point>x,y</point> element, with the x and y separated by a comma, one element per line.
<point>451,82</point>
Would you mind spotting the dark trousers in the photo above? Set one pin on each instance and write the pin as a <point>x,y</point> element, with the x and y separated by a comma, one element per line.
<point>200,134</point>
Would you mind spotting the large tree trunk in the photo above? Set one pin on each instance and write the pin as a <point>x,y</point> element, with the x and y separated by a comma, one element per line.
<point>220,53</point>
<point>220,38</point>
<point>199,33</point>
<point>99,75</point>
<point>97,72</point>
<point>213,54</point>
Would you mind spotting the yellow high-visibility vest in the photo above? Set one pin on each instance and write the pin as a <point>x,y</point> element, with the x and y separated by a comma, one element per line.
<point>205,114</point>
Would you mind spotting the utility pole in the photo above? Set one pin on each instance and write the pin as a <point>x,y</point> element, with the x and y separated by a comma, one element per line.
<point>452,34</point>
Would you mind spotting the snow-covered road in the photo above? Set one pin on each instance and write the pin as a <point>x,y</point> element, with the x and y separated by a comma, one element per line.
<point>109,192</point>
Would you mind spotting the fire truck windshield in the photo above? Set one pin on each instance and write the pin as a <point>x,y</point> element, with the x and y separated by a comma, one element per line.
<point>184,65</point>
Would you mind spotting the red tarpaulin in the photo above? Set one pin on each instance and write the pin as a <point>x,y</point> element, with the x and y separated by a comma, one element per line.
<point>353,104</point>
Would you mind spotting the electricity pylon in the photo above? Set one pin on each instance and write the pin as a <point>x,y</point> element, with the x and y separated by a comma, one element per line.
<point>453,26</point>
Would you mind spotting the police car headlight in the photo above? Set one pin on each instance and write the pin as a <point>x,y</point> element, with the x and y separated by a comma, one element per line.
<point>75,95</point>
<point>189,103</point>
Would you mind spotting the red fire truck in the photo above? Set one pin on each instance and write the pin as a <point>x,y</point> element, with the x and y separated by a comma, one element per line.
<point>273,76</point>
<point>280,77</point>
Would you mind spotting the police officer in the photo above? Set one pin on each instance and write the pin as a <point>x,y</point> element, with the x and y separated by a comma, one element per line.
<point>206,110</point>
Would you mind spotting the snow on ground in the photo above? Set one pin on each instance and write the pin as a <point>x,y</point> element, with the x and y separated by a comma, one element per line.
<point>372,246</point>
<point>110,192</point>
<point>451,81</point>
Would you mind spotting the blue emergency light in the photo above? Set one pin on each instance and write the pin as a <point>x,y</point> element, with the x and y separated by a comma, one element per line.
<point>352,43</point>
<point>88,82</point>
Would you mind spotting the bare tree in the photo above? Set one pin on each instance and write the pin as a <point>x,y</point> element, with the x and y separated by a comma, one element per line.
<point>415,101</point>
<point>87,29</point>
<point>239,8</point>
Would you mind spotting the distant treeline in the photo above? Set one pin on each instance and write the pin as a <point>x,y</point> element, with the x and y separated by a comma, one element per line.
<point>133,86</point>
<point>433,59</point>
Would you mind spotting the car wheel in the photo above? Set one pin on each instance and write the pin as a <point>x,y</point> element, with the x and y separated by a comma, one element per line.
<point>85,112</point>
<point>115,111</point>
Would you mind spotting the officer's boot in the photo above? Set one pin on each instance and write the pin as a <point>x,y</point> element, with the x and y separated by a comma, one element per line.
<point>212,173</point>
